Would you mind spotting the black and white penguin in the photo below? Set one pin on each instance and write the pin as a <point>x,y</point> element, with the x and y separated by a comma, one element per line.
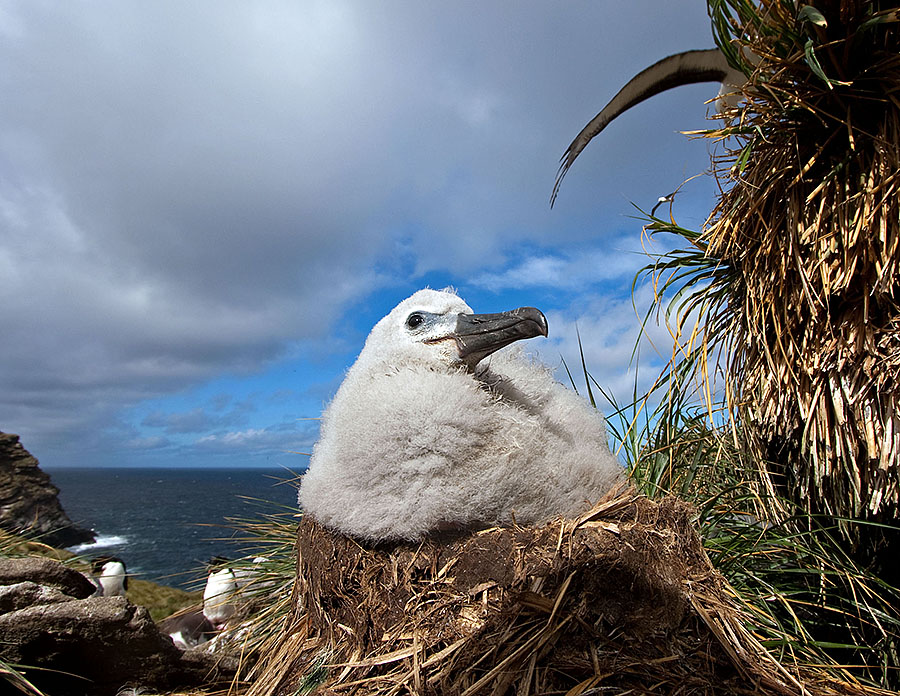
<point>110,576</point>
<point>219,593</point>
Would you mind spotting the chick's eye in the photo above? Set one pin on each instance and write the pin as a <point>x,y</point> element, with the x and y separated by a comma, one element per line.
<point>414,321</point>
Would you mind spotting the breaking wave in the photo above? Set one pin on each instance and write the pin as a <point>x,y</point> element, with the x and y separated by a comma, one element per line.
<point>103,542</point>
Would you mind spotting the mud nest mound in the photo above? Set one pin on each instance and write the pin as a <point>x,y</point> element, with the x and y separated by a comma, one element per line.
<point>623,598</point>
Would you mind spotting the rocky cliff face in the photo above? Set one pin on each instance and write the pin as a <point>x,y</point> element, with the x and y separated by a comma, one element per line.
<point>28,500</point>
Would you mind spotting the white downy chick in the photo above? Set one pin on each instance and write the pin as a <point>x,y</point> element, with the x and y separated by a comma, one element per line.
<point>425,434</point>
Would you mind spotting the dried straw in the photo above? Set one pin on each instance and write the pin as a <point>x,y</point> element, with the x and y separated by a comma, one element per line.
<point>809,222</point>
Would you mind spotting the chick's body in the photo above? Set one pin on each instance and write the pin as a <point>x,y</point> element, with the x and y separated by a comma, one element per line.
<point>413,443</point>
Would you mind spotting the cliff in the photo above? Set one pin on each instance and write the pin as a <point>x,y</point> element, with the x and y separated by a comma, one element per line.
<point>28,500</point>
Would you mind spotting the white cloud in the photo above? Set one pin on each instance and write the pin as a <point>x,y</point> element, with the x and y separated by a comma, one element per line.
<point>147,443</point>
<point>626,346</point>
<point>609,327</point>
<point>254,441</point>
<point>619,259</point>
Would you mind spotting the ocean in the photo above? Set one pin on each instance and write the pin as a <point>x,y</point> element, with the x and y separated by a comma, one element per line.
<point>165,524</point>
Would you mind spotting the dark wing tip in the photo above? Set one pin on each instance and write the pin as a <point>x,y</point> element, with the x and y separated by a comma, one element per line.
<point>688,67</point>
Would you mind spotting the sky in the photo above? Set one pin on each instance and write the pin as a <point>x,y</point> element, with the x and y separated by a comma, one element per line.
<point>205,206</point>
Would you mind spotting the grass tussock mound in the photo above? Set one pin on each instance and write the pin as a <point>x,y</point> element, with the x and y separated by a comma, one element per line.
<point>624,597</point>
<point>809,230</point>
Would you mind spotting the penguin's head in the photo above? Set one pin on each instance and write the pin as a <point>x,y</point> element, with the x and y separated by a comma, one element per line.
<point>110,569</point>
<point>101,563</point>
<point>217,563</point>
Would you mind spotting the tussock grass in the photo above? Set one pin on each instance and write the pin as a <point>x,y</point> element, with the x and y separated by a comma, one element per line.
<point>160,600</point>
<point>803,595</point>
<point>267,571</point>
<point>777,416</point>
<point>14,678</point>
<point>12,545</point>
<point>807,234</point>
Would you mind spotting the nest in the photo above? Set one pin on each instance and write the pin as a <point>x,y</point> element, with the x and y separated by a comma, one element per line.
<point>622,598</point>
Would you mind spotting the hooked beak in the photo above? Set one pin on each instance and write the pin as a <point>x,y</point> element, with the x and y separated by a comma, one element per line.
<point>479,335</point>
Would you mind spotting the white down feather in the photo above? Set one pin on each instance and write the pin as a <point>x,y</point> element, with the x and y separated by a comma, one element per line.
<point>414,442</point>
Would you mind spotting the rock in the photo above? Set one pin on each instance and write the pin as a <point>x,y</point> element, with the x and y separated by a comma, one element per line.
<point>44,571</point>
<point>95,646</point>
<point>28,500</point>
<point>26,594</point>
<point>80,645</point>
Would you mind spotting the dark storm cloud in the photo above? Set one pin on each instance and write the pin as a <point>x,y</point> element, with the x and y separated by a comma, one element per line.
<point>192,188</point>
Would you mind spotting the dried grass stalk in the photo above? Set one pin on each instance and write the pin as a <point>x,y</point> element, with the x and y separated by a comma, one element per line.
<point>810,224</point>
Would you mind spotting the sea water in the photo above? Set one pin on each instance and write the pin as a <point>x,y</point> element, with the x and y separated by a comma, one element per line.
<point>167,523</point>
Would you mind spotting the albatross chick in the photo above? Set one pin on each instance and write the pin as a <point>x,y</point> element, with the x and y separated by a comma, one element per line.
<point>426,434</point>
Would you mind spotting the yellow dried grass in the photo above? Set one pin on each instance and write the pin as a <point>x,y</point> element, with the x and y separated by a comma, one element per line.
<point>810,223</point>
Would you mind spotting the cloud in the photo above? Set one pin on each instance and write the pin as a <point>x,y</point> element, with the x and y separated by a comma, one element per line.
<point>201,419</point>
<point>609,327</point>
<point>192,190</point>
<point>626,350</point>
<point>618,259</point>
<point>195,421</point>
<point>256,441</point>
<point>148,443</point>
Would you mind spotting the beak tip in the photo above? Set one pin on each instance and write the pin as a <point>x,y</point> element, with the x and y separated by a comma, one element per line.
<point>537,316</point>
